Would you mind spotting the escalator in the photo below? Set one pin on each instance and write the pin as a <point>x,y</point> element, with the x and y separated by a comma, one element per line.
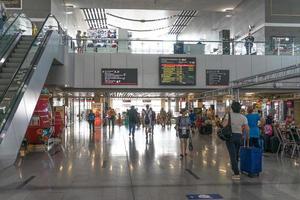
<point>24,67</point>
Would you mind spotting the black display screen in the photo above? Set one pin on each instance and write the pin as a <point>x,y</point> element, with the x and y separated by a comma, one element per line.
<point>177,70</point>
<point>217,77</point>
<point>119,76</point>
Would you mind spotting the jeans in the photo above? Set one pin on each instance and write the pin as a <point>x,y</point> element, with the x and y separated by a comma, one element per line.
<point>233,147</point>
<point>132,128</point>
<point>92,125</point>
<point>111,122</point>
<point>254,142</point>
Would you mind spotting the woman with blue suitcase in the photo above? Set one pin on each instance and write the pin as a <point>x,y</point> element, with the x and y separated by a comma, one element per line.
<point>238,124</point>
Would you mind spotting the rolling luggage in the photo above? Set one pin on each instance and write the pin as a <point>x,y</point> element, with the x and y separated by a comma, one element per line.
<point>251,161</point>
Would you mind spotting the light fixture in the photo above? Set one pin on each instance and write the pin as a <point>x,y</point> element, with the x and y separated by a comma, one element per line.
<point>249,93</point>
<point>69,12</point>
<point>228,16</point>
<point>227,9</point>
<point>70,5</point>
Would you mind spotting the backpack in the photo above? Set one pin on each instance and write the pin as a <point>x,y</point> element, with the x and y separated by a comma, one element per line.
<point>147,118</point>
<point>91,117</point>
<point>268,130</point>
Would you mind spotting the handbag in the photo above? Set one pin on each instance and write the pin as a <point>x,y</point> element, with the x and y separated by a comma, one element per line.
<point>225,133</point>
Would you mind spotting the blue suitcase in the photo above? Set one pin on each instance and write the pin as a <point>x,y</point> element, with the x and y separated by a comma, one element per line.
<point>251,161</point>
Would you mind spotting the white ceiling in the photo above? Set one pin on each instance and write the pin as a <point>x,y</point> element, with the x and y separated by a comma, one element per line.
<point>200,5</point>
<point>207,23</point>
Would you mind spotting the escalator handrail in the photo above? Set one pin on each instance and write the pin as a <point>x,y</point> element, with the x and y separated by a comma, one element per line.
<point>23,60</point>
<point>10,25</point>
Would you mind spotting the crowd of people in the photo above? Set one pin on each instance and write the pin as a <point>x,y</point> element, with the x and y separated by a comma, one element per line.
<point>247,126</point>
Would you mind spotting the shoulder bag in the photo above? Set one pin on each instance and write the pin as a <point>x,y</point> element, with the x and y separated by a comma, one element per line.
<point>225,133</point>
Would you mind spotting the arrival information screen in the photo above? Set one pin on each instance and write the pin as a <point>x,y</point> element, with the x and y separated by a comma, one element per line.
<point>177,71</point>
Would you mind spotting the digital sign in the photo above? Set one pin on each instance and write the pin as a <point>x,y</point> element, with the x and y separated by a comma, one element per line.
<point>119,76</point>
<point>177,70</point>
<point>13,4</point>
<point>217,77</point>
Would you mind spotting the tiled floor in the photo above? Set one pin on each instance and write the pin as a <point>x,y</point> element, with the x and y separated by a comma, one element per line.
<point>110,165</point>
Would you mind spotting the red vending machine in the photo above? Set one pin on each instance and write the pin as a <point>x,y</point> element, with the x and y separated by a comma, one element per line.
<point>39,129</point>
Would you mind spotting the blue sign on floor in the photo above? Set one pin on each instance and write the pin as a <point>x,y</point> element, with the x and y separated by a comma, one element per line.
<point>204,196</point>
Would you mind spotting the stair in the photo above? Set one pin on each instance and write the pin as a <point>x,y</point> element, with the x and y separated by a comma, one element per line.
<point>12,64</point>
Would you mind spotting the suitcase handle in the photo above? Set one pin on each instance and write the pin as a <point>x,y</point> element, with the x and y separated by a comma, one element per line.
<point>246,140</point>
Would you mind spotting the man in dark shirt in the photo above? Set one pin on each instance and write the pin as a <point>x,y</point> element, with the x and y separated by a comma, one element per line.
<point>133,119</point>
<point>91,120</point>
<point>249,40</point>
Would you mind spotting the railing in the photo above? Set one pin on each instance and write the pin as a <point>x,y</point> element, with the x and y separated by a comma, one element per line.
<point>14,26</point>
<point>136,46</point>
<point>188,47</point>
<point>17,85</point>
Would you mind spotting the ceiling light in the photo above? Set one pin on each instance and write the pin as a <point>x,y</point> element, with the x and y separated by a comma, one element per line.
<point>70,6</point>
<point>69,12</point>
<point>249,93</point>
<point>227,9</point>
<point>228,16</point>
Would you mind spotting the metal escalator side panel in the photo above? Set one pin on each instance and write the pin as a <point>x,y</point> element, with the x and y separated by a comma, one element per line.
<point>19,120</point>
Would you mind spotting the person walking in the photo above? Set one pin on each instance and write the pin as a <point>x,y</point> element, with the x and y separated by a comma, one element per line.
<point>239,123</point>
<point>111,114</point>
<point>163,117</point>
<point>133,119</point>
<point>253,119</point>
<point>91,120</point>
<point>153,120</point>
<point>183,129</point>
<point>192,117</point>
<point>147,120</point>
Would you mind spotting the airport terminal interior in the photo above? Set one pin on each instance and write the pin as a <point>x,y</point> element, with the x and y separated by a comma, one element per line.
<point>149,99</point>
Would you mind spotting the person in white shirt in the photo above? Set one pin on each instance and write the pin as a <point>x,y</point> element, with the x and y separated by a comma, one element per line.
<point>239,123</point>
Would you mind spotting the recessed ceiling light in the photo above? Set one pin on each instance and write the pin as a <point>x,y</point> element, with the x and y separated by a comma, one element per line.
<point>69,12</point>
<point>227,9</point>
<point>70,5</point>
<point>228,16</point>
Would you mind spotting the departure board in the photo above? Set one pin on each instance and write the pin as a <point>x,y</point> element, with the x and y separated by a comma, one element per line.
<point>217,77</point>
<point>119,76</point>
<point>177,70</point>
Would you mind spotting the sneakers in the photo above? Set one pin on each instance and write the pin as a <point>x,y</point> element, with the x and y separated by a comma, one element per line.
<point>236,177</point>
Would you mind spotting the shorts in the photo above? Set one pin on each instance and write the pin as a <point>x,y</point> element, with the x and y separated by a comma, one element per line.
<point>148,126</point>
<point>184,136</point>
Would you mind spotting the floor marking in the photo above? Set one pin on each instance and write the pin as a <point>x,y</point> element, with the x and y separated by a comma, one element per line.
<point>193,174</point>
<point>25,182</point>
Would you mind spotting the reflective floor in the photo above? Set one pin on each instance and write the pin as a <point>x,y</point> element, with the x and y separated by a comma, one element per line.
<point>110,165</point>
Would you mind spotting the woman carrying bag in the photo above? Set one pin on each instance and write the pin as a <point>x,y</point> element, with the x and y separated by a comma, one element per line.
<point>183,129</point>
<point>238,123</point>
